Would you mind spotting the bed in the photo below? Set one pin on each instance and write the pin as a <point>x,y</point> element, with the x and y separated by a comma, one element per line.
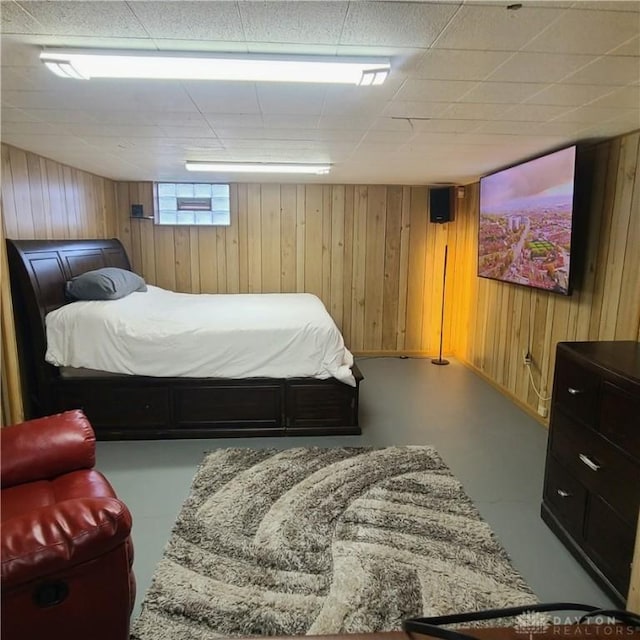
<point>165,403</point>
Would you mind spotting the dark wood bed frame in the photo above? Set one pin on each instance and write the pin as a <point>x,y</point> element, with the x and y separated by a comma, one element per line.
<point>135,407</point>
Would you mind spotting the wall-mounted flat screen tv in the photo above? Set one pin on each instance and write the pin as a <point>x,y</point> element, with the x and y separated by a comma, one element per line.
<point>526,222</point>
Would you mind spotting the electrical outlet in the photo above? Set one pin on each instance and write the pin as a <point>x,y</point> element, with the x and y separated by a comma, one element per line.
<point>542,409</point>
<point>526,358</point>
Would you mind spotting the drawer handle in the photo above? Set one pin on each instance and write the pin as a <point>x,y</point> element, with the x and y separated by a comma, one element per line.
<point>563,494</point>
<point>574,392</point>
<point>594,466</point>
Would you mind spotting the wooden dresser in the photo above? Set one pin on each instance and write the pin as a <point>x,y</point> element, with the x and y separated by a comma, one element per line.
<point>592,479</point>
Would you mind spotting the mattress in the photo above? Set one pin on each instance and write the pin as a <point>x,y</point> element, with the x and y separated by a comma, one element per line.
<point>162,333</point>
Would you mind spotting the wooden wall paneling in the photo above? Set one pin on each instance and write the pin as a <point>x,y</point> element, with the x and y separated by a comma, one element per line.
<point>605,215</point>
<point>41,223</point>
<point>359,267</point>
<point>599,157</point>
<point>254,238</point>
<point>10,217</point>
<point>416,270</point>
<point>374,267</point>
<point>124,221</point>
<point>336,254</point>
<point>182,243</point>
<point>628,320</point>
<point>75,222</point>
<point>288,238</point>
<point>194,259</point>
<point>301,236</point>
<point>326,244</point>
<point>347,278</point>
<point>147,232</point>
<point>243,238</point>
<point>207,260</point>
<point>56,200</point>
<point>432,285</point>
<point>391,293</point>
<point>403,274</point>
<point>313,240</point>
<point>135,226</point>
<point>231,239</point>
<point>619,232</point>
<point>165,252</point>
<point>221,257</point>
<point>20,175</point>
<point>271,238</point>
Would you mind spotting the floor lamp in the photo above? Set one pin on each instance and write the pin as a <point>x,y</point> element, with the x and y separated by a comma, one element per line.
<point>439,359</point>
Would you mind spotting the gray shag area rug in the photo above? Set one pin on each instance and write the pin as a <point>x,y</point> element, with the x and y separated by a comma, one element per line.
<point>321,541</point>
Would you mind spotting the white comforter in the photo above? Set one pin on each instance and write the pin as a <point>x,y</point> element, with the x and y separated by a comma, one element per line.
<point>163,333</point>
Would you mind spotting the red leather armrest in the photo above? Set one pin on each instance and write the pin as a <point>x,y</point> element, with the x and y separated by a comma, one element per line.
<point>46,448</point>
<point>44,541</point>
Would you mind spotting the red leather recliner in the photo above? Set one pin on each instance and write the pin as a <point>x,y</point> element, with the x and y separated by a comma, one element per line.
<point>64,535</point>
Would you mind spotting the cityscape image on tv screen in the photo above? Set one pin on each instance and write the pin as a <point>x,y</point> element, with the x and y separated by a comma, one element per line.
<point>525,222</point>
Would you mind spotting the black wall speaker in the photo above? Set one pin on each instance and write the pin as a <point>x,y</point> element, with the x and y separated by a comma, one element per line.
<point>137,211</point>
<point>441,204</point>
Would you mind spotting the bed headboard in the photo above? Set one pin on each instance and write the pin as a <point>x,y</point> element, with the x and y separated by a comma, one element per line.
<point>39,270</point>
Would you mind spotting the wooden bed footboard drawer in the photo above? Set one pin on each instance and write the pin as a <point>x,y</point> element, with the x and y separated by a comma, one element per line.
<point>310,404</point>
<point>118,407</point>
<point>239,406</point>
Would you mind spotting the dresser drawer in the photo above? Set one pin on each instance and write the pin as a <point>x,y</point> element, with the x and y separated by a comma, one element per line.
<point>620,418</point>
<point>609,542</point>
<point>576,390</point>
<point>597,465</point>
<point>565,496</point>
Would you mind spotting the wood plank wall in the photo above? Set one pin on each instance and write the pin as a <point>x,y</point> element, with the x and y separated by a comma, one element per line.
<point>493,322</point>
<point>369,252</point>
<point>44,199</point>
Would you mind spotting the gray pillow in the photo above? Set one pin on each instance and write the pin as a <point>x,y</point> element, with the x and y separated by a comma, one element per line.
<point>109,283</point>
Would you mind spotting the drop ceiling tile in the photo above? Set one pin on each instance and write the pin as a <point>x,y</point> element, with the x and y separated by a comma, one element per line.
<point>448,64</point>
<point>539,67</point>
<point>190,20</point>
<point>607,130</point>
<point>470,111</point>
<point>404,24</point>
<point>199,46</point>
<point>502,92</point>
<point>9,114</point>
<point>284,120</point>
<point>37,78</point>
<point>15,19</point>
<point>223,97</point>
<point>445,126</point>
<point>409,109</point>
<point>607,5</point>
<point>627,97</point>
<point>494,28</point>
<point>569,94</point>
<point>608,70</point>
<point>292,48</point>
<point>96,18</point>
<point>629,48</point>
<point>586,32</point>
<point>355,122</point>
<point>365,149</point>
<point>15,52</point>
<point>433,90</point>
<point>532,128</point>
<point>32,128</point>
<point>65,116</point>
<point>115,131</point>
<point>396,137</point>
<point>231,120</point>
<point>198,131</point>
<point>168,118</point>
<point>299,22</point>
<point>290,98</point>
<point>593,115</point>
<point>534,112</point>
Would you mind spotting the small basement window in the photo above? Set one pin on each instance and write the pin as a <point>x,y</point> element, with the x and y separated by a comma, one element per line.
<point>189,203</point>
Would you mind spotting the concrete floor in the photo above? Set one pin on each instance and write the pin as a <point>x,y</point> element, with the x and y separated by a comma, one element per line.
<point>494,448</point>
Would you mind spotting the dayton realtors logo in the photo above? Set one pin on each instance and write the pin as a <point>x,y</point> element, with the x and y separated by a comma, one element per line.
<point>533,623</point>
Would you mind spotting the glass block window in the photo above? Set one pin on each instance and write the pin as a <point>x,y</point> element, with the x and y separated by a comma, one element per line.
<point>192,204</point>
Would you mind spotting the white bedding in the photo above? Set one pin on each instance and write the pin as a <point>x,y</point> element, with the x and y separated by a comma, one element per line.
<point>166,334</point>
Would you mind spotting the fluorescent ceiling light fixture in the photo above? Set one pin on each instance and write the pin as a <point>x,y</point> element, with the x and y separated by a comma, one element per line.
<point>87,64</point>
<point>258,167</point>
